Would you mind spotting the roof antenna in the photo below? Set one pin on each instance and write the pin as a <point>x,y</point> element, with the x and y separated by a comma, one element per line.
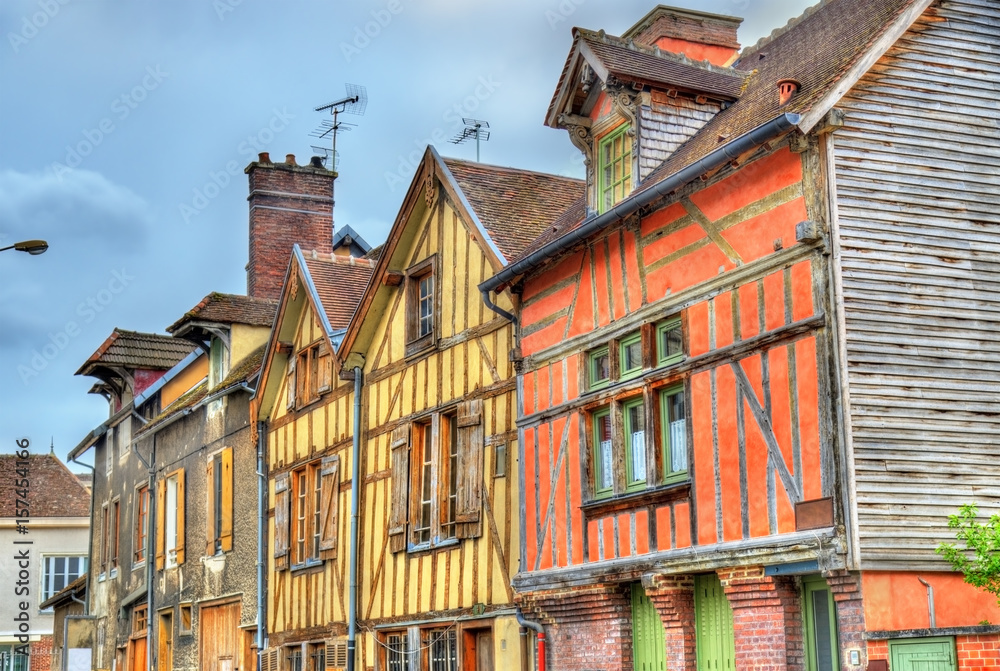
<point>473,128</point>
<point>355,103</point>
<point>52,445</point>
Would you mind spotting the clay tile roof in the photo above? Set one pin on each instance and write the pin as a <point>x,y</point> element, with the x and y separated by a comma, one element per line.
<point>565,222</point>
<point>135,350</point>
<point>53,492</point>
<point>514,205</point>
<point>816,50</point>
<point>77,587</point>
<point>340,282</point>
<point>635,63</point>
<point>229,309</point>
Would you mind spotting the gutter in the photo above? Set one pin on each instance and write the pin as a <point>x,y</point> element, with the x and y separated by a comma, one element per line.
<point>716,159</point>
<point>187,411</point>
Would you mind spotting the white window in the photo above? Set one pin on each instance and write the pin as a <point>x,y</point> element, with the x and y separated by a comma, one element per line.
<point>57,572</point>
<point>170,521</point>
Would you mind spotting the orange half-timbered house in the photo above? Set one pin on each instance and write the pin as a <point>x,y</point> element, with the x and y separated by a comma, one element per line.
<point>717,414</point>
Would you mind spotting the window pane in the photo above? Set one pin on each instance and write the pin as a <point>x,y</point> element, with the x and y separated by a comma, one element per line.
<point>397,657</point>
<point>676,421</point>
<point>444,650</point>
<point>636,427</point>
<point>603,470</point>
<point>670,342</point>
<point>632,355</point>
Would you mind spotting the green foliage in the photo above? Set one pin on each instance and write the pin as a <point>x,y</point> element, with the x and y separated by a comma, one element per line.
<point>979,560</point>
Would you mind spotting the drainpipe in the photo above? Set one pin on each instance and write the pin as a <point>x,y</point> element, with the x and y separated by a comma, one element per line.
<point>90,531</point>
<point>352,602</point>
<point>541,637</point>
<point>261,538</point>
<point>150,532</point>
<point>496,308</point>
<point>930,601</point>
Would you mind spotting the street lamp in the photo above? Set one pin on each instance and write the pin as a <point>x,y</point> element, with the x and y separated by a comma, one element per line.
<point>33,247</point>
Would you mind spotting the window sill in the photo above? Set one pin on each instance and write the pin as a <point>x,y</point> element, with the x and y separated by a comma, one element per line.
<point>630,500</point>
<point>305,567</point>
<point>425,548</point>
<point>415,348</point>
<point>138,565</point>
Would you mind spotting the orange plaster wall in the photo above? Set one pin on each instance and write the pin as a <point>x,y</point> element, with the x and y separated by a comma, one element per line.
<point>715,55</point>
<point>897,600</point>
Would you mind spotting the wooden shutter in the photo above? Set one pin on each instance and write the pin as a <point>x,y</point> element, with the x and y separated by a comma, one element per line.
<point>161,504</point>
<point>210,526</point>
<point>226,533</point>
<point>329,498</point>
<point>400,486</point>
<point>470,469</point>
<point>290,382</point>
<point>336,654</point>
<point>281,531</point>
<point>180,517</point>
<point>325,369</point>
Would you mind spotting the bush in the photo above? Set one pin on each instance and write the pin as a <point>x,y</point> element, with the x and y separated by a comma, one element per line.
<point>979,560</point>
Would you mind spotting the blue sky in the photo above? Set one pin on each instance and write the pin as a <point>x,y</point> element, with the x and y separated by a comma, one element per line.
<point>125,128</point>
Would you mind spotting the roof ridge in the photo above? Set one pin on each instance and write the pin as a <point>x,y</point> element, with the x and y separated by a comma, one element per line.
<point>656,52</point>
<point>342,259</point>
<point>778,32</point>
<point>523,171</point>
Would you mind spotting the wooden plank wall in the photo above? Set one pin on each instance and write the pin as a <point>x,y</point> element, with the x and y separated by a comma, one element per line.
<point>302,603</point>
<point>918,196</point>
<point>471,361</point>
<point>724,259</point>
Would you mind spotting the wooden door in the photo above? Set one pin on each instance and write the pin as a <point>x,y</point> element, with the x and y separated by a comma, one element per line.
<point>713,625</point>
<point>923,654</point>
<point>137,654</point>
<point>821,625</point>
<point>648,647</point>
<point>484,651</point>
<point>219,637</point>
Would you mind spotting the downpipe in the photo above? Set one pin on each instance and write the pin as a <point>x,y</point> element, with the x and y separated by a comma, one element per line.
<point>261,538</point>
<point>352,601</point>
<point>541,637</point>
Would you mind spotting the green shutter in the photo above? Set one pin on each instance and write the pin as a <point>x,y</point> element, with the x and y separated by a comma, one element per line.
<point>648,647</point>
<point>821,625</point>
<point>713,625</point>
<point>923,654</point>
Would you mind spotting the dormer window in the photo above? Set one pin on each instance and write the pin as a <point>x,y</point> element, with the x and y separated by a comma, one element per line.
<point>218,363</point>
<point>614,168</point>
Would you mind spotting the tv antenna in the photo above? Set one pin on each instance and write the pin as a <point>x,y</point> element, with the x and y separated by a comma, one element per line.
<point>326,154</point>
<point>474,128</point>
<point>355,103</point>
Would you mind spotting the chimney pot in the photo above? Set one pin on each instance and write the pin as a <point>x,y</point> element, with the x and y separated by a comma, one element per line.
<point>263,157</point>
<point>290,159</point>
<point>787,88</point>
<point>316,162</point>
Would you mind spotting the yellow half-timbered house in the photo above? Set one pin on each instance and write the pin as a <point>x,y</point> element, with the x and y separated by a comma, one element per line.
<point>438,534</point>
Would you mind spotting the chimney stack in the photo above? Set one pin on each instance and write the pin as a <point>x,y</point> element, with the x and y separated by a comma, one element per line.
<point>698,35</point>
<point>289,204</point>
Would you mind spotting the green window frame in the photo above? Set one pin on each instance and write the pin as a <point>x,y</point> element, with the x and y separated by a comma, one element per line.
<point>604,458</point>
<point>634,412</point>
<point>669,342</point>
<point>673,429</point>
<point>598,368</point>
<point>630,356</point>
<point>820,617</point>
<point>615,168</point>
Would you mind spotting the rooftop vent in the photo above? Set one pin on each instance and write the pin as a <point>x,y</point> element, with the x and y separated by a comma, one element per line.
<point>787,88</point>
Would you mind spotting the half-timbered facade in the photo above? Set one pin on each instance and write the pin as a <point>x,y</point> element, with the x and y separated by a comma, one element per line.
<point>724,456</point>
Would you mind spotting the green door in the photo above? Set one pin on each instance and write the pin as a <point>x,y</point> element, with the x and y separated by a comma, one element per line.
<point>923,654</point>
<point>821,625</point>
<point>713,625</point>
<point>648,652</point>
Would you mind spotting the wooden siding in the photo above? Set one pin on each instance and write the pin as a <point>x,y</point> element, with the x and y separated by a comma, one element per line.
<point>666,123</point>
<point>918,199</point>
<point>723,259</point>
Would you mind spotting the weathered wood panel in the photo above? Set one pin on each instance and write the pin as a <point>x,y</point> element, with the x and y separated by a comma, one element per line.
<point>918,187</point>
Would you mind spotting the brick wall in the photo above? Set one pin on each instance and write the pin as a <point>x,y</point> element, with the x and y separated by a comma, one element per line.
<point>586,629</point>
<point>289,204</point>
<point>673,597</point>
<point>41,654</point>
<point>767,619</point>
<point>846,590</point>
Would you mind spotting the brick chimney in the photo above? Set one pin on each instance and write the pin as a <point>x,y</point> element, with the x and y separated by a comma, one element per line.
<point>698,35</point>
<point>289,203</point>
